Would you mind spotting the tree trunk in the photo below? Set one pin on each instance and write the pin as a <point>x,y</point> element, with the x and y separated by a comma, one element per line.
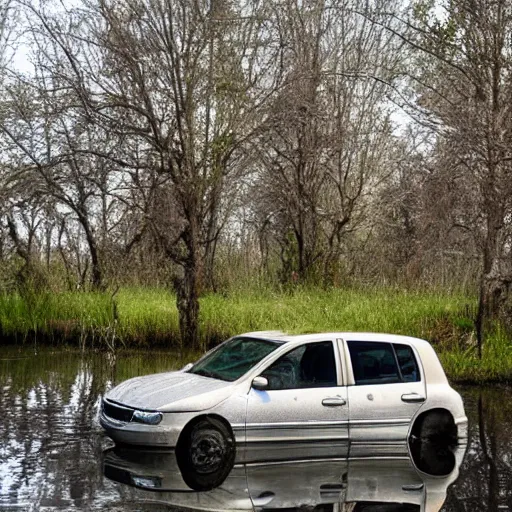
<point>25,276</point>
<point>493,283</point>
<point>209,267</point>
<point>186,288</point>
<point>300,252</point>
<point>212,237</point>
<point>96,271</point>
<point>48,248</point>
<point>480,316</point>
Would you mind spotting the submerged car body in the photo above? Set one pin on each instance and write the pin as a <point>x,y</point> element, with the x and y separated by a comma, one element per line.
<point>283,397</point>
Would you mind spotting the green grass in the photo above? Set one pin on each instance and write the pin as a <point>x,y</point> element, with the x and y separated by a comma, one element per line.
<point>148,318</point>
<point>463,365</point>
<point>336,310</point>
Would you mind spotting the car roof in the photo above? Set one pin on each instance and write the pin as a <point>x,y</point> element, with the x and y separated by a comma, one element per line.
<point>347,335</point>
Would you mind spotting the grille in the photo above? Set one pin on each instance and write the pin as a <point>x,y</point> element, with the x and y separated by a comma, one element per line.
<point>117,412</point>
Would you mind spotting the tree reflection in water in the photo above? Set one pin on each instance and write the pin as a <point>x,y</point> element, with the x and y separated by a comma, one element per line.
<point>485,481</point>
<point>50,440</point>
<point>51,444</point>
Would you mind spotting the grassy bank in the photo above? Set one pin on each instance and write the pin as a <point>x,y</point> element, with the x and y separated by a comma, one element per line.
<point>148,318</point>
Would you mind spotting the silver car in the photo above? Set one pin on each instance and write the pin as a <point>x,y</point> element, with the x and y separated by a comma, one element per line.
<point>267,396</point>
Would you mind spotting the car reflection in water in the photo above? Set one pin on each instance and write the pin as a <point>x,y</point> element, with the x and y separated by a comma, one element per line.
<point>418,482</point>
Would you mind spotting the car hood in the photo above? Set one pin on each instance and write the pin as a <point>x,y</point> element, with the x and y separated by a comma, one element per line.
<point>171,392</point>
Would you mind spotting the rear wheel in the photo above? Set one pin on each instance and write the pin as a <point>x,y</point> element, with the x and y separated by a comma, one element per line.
<point>438,425</point>
<point>432,441</point>
<point>433,457</point>
<point>205,453</point>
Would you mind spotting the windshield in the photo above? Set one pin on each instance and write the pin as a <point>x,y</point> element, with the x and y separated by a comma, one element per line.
<point>234,358</point>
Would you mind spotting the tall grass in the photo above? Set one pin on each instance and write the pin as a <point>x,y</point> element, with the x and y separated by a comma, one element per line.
<point>149,316</point>
<point>315,310</point>
<point>142,317</point>
<point>463,365</point>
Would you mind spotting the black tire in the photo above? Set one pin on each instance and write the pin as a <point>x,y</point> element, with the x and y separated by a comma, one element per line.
<point>433,457</point>
<point>438,426</point>
<point>205,453</point>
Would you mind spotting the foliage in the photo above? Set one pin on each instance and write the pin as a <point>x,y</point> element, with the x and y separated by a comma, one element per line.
<point>201,145</point>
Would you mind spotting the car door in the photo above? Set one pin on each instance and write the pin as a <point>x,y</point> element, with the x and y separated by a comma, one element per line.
<point>388,388</point>
<point>303,412</point>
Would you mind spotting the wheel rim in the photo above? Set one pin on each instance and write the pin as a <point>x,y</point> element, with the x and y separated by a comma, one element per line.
<point>207,451</point>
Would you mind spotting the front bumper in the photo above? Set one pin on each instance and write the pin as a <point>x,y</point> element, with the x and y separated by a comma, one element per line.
<point>139,434</point>
<point>165,434</point>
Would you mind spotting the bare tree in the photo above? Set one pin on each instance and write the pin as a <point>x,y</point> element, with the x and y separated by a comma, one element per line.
<point>465,83</point>
<point>53,144</point>
<point>180,81</point>
<point>168,138</point>
<point>329,137</point>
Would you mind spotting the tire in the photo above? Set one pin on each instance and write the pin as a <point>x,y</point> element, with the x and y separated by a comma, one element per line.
<point>433,457</point>
<point>205,453</point>
<point>438,426</point>
<point>432,443</point>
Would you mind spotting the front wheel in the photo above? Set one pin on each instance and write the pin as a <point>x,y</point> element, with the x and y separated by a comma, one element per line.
<point>205,453</point>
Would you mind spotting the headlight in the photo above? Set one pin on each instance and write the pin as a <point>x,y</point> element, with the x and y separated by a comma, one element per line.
<point>149,418</point>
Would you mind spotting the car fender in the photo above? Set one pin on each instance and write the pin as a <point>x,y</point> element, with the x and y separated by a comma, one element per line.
<point>442,396</point>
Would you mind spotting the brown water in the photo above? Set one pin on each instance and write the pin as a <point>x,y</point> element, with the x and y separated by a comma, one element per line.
<point>51,445</point>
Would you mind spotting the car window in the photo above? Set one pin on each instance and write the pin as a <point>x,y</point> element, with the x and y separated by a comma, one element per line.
<point>308,366</point>
<point>234,358</point>
<point>407,362</point>
<point>373,363</point>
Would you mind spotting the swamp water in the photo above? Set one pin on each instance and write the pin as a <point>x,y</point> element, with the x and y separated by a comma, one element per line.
<point>52,447</point>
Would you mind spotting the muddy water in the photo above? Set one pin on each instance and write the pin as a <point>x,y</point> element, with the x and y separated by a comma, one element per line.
<point>52,447</point>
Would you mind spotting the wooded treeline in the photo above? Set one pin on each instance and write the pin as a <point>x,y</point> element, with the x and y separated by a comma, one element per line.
<point>189,143</point>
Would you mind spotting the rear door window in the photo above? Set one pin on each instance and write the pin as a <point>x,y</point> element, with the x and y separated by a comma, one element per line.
<point>407,363</point>
<point>382,363</point>
<point>373,363</point>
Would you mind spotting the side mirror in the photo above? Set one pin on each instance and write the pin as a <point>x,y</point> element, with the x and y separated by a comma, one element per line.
<point>260,383</point>
<point>187,367</point>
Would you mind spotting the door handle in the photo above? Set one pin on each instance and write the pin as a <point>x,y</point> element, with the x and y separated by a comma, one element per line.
<point>413,398</point>
<point>334,401</point>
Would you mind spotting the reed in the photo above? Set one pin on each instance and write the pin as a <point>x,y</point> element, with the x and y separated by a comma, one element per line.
<point>148,318</point>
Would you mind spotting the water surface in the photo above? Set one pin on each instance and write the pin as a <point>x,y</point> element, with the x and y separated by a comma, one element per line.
<point>51,445</point>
